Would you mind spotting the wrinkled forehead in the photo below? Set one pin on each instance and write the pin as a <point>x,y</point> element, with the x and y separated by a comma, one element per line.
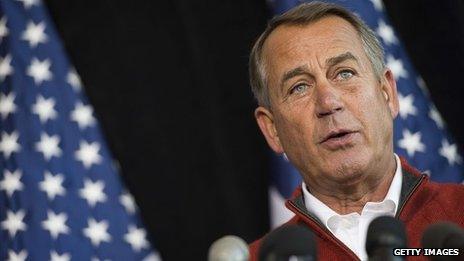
<point>311,45</point>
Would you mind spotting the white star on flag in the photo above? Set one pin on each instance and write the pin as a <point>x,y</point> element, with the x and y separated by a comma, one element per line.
<point>97,232</point>
<point>396,65</point>
<point>406,105</point>
<point>52,185</point>
<point>29,3</point>
<point>82,114</point>
<point>427,172</point>
<point>136,238</point>
<point>153,256</point>
<point>14,222</point>
<point>44,108</point>
<point>88,153</point>
<point>450,152</point>
<point>56,224</point>
<point>378,4</point>
<point>35,34</point>
<point>421,83</point>
<point>74,80</point>
<point>93,192</point>
<point>54,256</point>
<point>5,67</point>
<point>411,142</point>
<point>386,33</point>
<point>11,182</point>
<point>40,70</point>
<point>3,29</point>
<point>127,200</point>
<point>13,256</point>
<point>48,146</point>
<point>436,117</point>
<point>9,144</point>
<point>7,104</point>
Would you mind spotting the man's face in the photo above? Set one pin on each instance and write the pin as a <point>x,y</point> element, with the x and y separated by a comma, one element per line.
<point>329,112</point>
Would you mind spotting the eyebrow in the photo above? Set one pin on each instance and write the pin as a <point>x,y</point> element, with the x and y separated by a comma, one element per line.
<point>340,58</point>
<point>303,69</point>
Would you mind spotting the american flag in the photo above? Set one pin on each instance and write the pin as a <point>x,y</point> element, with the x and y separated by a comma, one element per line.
<point>61,197</point>
<point>420,134</point>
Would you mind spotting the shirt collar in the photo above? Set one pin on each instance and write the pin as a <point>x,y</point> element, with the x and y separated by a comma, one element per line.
<point>389,205</point>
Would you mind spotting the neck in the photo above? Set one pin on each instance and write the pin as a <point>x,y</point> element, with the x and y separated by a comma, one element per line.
<point>351,198</point>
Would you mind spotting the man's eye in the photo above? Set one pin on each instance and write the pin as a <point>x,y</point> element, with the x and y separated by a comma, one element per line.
<point>345,74</point>
<point>300,88</point>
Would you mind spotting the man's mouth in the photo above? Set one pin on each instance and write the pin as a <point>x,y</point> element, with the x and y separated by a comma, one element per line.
<point>338,138</point>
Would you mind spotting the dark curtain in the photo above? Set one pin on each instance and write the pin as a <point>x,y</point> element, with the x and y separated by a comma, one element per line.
<point>168,80</point>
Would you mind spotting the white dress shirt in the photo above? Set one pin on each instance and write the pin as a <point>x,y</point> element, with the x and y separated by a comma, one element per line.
<point>351,228</point>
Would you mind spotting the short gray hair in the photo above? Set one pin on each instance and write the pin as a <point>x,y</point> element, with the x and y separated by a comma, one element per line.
<point>305,14</point>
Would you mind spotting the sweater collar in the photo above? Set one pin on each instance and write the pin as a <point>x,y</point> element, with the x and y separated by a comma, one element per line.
<point>411,177</point>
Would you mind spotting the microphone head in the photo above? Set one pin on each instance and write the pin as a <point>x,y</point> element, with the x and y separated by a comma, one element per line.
<point>287,241</point>
<point>443,235</point>
<point>228,248</point>
<point>385,232</point>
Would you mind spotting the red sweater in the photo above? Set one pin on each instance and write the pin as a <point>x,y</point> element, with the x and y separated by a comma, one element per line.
<point>422,203</point>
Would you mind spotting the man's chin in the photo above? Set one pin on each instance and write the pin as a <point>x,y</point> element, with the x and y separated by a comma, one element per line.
<point>347,169</point>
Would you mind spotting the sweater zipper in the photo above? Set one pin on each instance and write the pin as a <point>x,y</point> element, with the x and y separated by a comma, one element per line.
<point>409,196</point>
<point>328,233</point>
<point>336,240</point>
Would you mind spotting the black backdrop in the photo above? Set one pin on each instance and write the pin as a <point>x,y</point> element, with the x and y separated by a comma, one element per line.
<point>168,80</point>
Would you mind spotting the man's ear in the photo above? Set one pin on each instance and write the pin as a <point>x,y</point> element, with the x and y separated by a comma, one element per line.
<point>390,92</point>
<point>265,120</point>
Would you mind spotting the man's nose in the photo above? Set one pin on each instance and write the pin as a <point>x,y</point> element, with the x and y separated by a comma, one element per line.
<point>328,100</point>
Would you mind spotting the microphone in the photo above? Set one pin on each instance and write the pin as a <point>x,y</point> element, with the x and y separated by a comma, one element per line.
<point>384,234</point>
<point>444,235</point>
<point>290,242</point>
<point>228,248</point>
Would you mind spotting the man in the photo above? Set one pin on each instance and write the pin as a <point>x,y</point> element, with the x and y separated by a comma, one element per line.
<point>328,102</point>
